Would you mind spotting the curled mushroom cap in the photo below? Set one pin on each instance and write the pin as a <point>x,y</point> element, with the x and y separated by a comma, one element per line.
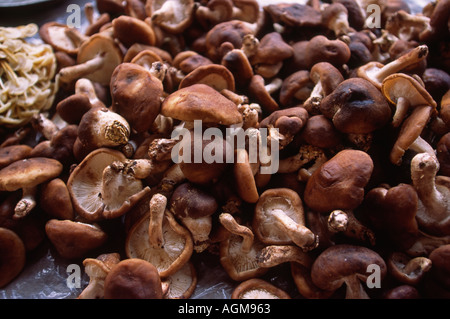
<point>279,219</point>
<point>73,239</point>
<point>215,75</point>
<point>26,175</point>
<point>133,278</point>
<point>346,264</point>
<point>59,37</point>
<point>158,238</point>
<point>256,288</point>
<point>174,16</point>
<point>102,187</point>
<point>182,283</point>
<point>356,106</point>
<point>405,93</point>
<point>136,95</point>
<point>12,256</point>
<point>406,269</point>
<point>200,102</point>
<point>339,182</point>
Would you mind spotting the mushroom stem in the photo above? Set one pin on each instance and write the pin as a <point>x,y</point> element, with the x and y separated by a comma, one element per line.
<point>401,110</point>
<point>274,85</point>
<point>347,224</point>
<point>300,234</point>
<point>313,101</point>
<point>71,73</point>
<point>273,255</point>
<point>44,125</point>
<point>423,175</point>
<point>250,45</point>
<point>172,177</point>
<point>413,56</point>
<point>26,203</point>
<point>230,224</point>
<point>306,154</point>
<point>157,205</point>
<point>354,289</point>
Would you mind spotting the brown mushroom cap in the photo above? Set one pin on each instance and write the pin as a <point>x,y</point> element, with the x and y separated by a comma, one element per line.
<point>12,153</point>
<point>190,201</point>
<point>28,173</point>
<point>200,102</point>
<point>339,183</point>
<point>347,264</point>
<point>73,239</point>
<point>129,30</point>
<point>12,256</point>
<point>294,14</point>
<point>321,49</point>
<point>443,154</point>
<point>136,95</point>
<point>133,279</point>
<point>215,75</point>
<point>319,131</point>
<point>55,34</point>
<point>356,106</point>
<point>55,199</point>
<point>296,88</point>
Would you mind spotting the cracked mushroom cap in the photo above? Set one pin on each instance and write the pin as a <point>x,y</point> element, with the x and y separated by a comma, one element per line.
<point>100,189</point>
<point>339,182</point>
<point>136,95</point>
<point>133,278</point>
<point>201,102</point>
<point>28,173</point>
<point>12,256</point>
<point>346,264</point>
<point>73,239</point>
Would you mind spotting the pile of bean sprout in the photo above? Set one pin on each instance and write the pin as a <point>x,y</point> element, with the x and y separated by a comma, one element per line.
<point>27,71</point>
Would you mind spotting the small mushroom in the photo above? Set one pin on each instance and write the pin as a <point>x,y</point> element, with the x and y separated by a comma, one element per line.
<point>339,182</point>
<point>256,288</point>
<point>97,269</point>
<point>61,37</point>
<point>279,219</point>
<point>12,153</point>
<point>136,95</point>
<point>159,239</point>
<point>74,239</point>
<point>346,264</point>
<point>102,187</point>
<point>55,199</point>
<point>133,278</point>
<point>296,88</point>
<point>405,93</point>
<point>12,256</point>
<point>194,208</point>
<point>214,12</point>
<point>376,72</point>
<point>434,193</point>
<point>102,127</point>
<point>335,17</point>
<point>326,78</point>
<point>27,175</point>
<point>408,270</point>
<point>239,251</point>
<point>96,60</point>
<point>215,75</point>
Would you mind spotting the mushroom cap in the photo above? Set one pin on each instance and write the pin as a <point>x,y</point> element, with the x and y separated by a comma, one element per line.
<point>271,49</point>
<point>171,257</point>
<point>183,282</point>
<point>440,266</point>
<point>55,199</point>
<point>402,85</point>
<point>265,224</point>
<point>85,187</point>
<point>319,131</point>
<point>321,49</point>
<point>200,102</point>
<point>136,95</point>
<point>339,182</point>
<point>130,30</point>
<point>244,178</point>
<point>258,91</point>
<point>133,279</point>
<point>327,74</point>
<point>215,75</point>
<point>189,200</point>
<point>296,88</point>
<point>54,33</point>
<point>73,239</point>
<point>356,106</point>
<point>294,14</point>
<point>332,267</point>
<point>103,45</point>
<point>12,256</point>
<point>173,16</point>
<point>256,288</point>
<point>29,173</point>
<point>73,107</point>
<point>12,153</point>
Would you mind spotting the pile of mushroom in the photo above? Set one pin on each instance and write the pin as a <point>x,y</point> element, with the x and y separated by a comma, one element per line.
<point>358,208</point>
